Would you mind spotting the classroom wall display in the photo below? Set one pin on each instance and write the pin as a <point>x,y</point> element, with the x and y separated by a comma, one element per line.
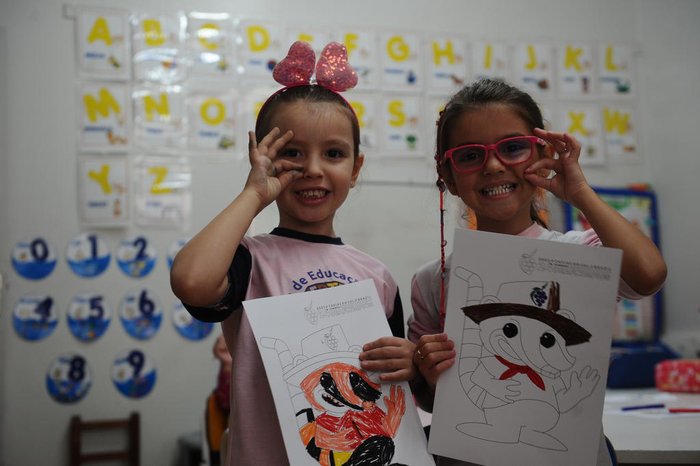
<point>88,255</point>
<point>136,256</point>
<point>447,64</point>
<point>104,117</point>
<point>583,121</point>
<point>401,62</point>
<point>576,70</point>
<point>401,127</point>
<point>141,313</point>
<point>307,339</point>
<point>363,54</point>
<point>490,60</point>
<point>638,320</point>
<point>68,378</point>
<point>533,68</point>
<point>158,47</point>
<point>619,126</point>
<point>170,97</point>
<point>616,69</point>
<point>530,322</point>
<point>88,316</point>
<point>174,248</point>
<point>161,190</point>
<point>212,118</point>
<point>365,108</point>
<point>103,42</point>
<point>187,326</point>
<point>35,316</point>
<point>103,190</point>
<point>133,373</point>
<point>34,258</point>
<point>159,116</point>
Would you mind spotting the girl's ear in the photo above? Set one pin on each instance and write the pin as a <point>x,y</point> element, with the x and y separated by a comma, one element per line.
<point>446,175</point>
<point>357,166</point>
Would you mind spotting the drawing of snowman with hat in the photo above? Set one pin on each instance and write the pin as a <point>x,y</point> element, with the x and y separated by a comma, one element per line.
<point>515,366</point>
<point>335,401</point>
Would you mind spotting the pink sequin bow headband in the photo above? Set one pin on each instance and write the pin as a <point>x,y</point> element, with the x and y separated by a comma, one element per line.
<point>296,69</point>
<point>332,70</point>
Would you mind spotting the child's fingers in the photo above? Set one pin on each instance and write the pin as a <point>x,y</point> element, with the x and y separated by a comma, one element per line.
<point>387,348</point>
<point>379,343</point>
<point>435,337</point>
<point>543,164</point>
<point>564,144</point>
<point>268,139</point>
<point>285,171</point>
<point>279,143</point>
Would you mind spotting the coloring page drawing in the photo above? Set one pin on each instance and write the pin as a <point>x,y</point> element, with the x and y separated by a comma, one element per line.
<point>531,321</point>
<point>333,413</point>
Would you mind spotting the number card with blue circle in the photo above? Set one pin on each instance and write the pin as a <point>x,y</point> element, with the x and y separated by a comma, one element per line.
<point>88,255</point>
<point>174,248</point>
<point>68,378</point>
<point>187,326</point>
<point>133,373</point>
<point>141,313</point>
<point>34,258</point>
<point>35,317</point>
<point>88,316</point>
<point>136,257</point>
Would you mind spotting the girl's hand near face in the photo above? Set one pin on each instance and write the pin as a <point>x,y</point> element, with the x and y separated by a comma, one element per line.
<point>269,175</point>
<point>567,181</point>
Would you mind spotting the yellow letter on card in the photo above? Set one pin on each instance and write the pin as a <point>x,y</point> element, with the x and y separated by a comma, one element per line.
<point>100,31</point>
<point>398,49</point>
<point>153,32</point>
<point>106,102</point>
<point>258,38</point>
<point>102,178</point>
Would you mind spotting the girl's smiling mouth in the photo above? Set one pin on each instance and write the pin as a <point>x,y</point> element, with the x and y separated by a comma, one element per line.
<point>494,191</point>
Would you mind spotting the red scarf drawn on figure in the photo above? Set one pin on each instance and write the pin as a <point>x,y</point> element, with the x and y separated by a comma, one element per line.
<point>513,369</point>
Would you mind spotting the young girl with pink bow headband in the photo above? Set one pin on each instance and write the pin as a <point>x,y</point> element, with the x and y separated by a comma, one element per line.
<point>304,155</point>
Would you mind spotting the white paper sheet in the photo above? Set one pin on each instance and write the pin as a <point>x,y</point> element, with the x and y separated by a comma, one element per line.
<point>542,401</point>
<point>303,336</point>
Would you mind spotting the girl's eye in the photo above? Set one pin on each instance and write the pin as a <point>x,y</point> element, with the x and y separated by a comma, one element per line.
<point>335,154</point>
<point>290,153</point>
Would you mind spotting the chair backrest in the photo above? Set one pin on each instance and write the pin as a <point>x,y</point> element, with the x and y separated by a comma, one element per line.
<point>129,454</point>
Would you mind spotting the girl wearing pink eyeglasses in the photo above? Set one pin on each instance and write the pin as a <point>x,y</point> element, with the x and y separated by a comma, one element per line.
<point>493,154</point>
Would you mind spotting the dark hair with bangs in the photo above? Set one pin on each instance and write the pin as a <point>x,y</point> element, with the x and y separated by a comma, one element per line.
<point>310,93</point>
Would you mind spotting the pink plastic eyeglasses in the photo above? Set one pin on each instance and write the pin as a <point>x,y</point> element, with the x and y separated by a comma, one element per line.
<point>510,151</point>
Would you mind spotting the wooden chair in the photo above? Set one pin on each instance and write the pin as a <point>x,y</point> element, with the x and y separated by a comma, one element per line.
<point>130,454</point>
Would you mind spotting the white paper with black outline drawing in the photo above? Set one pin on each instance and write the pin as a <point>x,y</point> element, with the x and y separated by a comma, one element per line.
<point>532,325</point>
<point>309,343</point>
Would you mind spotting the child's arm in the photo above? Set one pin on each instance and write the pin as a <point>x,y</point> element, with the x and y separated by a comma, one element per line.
<point>199,272</point>
<point>643,267</point>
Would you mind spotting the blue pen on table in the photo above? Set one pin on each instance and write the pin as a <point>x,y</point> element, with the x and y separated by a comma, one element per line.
<point>638,407</point>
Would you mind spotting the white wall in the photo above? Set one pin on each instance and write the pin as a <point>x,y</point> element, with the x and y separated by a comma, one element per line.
<point>396,223</point>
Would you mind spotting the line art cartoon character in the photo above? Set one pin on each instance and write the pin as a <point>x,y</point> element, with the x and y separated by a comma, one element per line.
<point>335,402</point>
<point>515,366</point>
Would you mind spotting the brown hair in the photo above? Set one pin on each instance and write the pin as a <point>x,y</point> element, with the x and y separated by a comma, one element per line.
<point>310,93</point>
